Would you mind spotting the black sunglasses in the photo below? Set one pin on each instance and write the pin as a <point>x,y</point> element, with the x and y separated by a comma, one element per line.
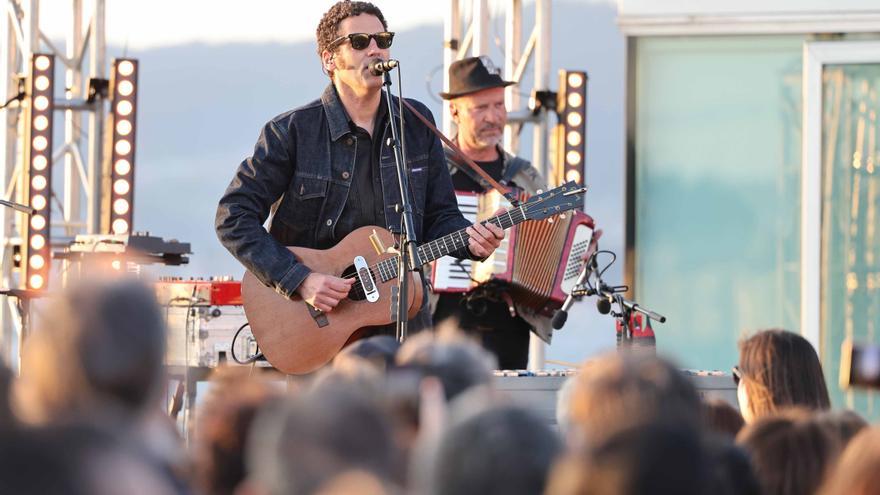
<point>359,41</point>
<point>737,375</point>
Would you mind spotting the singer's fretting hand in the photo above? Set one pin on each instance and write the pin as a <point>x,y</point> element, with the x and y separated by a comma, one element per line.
<point>484,239</point>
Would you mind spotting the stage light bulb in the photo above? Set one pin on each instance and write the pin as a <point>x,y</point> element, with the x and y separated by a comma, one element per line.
<point>38,242</point>
<point>574,138</point>
<point>126,88</point>
<point>38,222</point>
<point>575,80</point>
<point>123,167</point>
<point>37,262</point>
<point>40,162</point>
<point>123,146</point>
<point>125,68</point>
<point>124,108</point>
<point>120,226</point>
<point>42,62</point>
<point>574,119</point>
<point>120,206</point>
<point>36,282</point>
<point>41,123</point>
<point>42,83</point>
<point>38,201</point>
<point>41,103</point>
<point>40,143</point>
<point>121,187</point>
<point>573,176</point>
<point>38,182</point>
<point>573,158</point>
<point>575,99</point>
<point>123,127</point>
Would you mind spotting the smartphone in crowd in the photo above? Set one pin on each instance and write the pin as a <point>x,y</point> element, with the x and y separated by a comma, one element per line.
<point>859,365</point>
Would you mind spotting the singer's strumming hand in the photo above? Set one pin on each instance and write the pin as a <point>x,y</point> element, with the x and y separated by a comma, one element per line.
<point>324,291</point>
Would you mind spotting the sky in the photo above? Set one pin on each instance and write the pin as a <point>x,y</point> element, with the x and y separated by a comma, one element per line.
<point>140,24</point>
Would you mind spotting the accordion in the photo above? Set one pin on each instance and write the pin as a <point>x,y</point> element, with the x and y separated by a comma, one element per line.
<point>538,260</point>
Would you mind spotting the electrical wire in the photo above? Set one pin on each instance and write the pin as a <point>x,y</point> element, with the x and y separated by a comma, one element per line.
<point>252,359</point>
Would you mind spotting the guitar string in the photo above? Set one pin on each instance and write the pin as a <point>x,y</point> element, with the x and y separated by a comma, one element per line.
<point>358,286</point>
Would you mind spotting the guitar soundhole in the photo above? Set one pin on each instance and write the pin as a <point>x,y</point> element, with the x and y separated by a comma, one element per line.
<point>357,290</point>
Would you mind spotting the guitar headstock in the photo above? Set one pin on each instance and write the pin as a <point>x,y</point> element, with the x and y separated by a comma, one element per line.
<point>569,196</point>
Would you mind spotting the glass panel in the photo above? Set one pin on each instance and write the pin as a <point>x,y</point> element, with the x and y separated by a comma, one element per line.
<point>717,147</point>
<point>850,242</point>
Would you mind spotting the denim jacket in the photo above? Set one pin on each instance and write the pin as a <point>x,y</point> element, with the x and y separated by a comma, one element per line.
<point>305,158</point>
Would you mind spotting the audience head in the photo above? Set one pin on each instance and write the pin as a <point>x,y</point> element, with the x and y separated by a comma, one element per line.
<point>458,362</point>
<point>778,369</point>
<point>502,449</point>
<point>75,458</point>
<point>858,470</point>
<point>720,417</point>
<point>844,424</point>
<point>622,390</point>
<point>374,355</point>
<point>654,457</point>
<point>790,451</point>
<point>224,421</point>
<point>302,444</point>
<point>100,348</point>
<point>731,469</point>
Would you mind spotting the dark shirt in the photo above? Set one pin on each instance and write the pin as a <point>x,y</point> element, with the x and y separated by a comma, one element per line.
<point>364,205</point>
<point>463,182</point>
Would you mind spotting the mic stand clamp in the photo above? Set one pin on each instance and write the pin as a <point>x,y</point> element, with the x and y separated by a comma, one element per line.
<point>408,260</point>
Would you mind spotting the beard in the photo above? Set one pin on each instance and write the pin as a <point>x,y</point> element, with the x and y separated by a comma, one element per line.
<point>489,136</point>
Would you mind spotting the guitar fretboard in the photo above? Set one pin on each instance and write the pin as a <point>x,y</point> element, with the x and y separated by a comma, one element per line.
<point>449,243</point>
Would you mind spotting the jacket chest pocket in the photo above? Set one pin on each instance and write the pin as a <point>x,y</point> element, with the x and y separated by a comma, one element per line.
<point>309,188</point>
<point>301,209</point>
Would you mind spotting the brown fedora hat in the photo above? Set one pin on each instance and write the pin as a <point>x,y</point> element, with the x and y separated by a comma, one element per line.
<point>473,74</point>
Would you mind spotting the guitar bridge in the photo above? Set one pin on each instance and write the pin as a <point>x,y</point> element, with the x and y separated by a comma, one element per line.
<point>366,278</point>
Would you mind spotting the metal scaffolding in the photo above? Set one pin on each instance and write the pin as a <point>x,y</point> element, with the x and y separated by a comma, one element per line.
<point>77,204</point>
<point>474,38</point>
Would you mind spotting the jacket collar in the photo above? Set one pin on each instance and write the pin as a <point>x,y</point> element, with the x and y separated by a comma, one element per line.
<point>337,116</point>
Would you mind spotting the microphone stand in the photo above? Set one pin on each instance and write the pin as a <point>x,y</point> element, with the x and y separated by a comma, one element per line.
<point>18,207</point>
<point>609,295</point>
<point>408,260</point>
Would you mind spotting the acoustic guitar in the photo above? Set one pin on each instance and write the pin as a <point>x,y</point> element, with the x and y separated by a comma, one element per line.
<point>297,338</point>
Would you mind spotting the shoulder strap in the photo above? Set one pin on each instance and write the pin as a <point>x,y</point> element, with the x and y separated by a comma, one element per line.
<point>461,156</point>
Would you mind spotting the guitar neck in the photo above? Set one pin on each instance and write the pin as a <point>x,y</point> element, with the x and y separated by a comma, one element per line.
<point>450,243</point>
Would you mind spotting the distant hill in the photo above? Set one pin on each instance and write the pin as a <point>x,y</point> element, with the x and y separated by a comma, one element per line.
<point>202,106</point>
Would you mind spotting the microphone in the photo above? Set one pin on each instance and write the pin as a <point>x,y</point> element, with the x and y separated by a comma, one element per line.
<point>603,305</point>
<point>561,314</point>
<point>380,67</point>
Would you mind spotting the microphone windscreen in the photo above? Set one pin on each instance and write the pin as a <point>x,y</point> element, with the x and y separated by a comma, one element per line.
<point>603,305</point>
<point>559,318</point>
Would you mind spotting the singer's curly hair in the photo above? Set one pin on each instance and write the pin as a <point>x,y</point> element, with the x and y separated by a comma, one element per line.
<point>328,28</point>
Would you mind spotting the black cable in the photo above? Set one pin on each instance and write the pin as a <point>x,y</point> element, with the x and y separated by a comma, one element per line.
<point>20,96</point>
<point>249,360</point>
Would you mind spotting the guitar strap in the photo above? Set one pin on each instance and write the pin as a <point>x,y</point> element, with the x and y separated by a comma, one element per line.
<point>505,191</point>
